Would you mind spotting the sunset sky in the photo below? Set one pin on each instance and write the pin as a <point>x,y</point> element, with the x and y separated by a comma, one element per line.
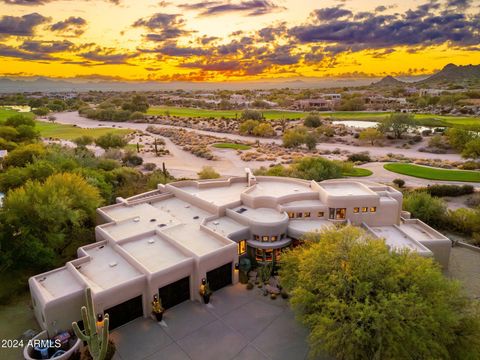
<point>237,40</point>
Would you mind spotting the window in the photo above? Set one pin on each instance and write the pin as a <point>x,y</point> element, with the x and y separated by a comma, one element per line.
<point>373,209</point>
<point>259,254</point>
<point>268,254</point>
<point>242,247</point>
<point>331,213</point>
<point>277,253</point>
<point>256,237</point>
<point>299,215</point>
<point>340,213</point>
<point>307,214</point>
<point>321,214</point>
<point>356,210</point>
<point>274,238</point>
<point>364,209</point>
<point>291,215</point>
<point>265,238</point>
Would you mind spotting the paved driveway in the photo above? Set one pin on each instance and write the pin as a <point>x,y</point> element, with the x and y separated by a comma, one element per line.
<point>238,324</point>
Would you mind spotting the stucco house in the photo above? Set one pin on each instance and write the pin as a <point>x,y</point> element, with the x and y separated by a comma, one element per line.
<point>166,241</point>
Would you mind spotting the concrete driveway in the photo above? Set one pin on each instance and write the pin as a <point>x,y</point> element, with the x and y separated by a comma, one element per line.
<point>238,324</point>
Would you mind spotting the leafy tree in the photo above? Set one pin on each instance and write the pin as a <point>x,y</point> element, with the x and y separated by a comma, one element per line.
<point>294,137</point>
<point>371,135</point>
<point>312,121</point>
<point>41,111</point>
<point>27,133</point>
<point>111,140</point>
<point>316,168</point>
<point>131,159</point>
<point>83,141</point>
<point>247,126</point>
<point>425,207</point>
<point>362,301</point>
<point>139,103</point>
<point>45,222</point>
<point>458,138</point>
<point>398,124</point>
<point>208,172</point>
<point>19,119</point>
<point>8,133</point>
<point>352,104</point>
<point>472,149</point>
<point>24,155</point>
<point>251,115</point>
<point>263,129</point>
<point>52,119</point>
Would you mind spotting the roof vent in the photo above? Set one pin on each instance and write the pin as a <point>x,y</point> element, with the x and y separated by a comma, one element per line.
<point>42,279</point>
<point>162,225</point>
<point>241,210</point>
<point>137,219</point>
<point>195,217</point>
<point>151,241</point>
<point>101,247</point>
<point>113,264</point>
<point>187,206</point>
<point>296,190</point>
<point>153,220</point>
<point>216,223</point>
<point>78,267</point>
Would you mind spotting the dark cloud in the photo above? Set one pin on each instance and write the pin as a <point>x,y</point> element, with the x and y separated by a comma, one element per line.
<point>21,25</point>
<point>380,8</point>
<point>8,51</point>
<point>107,56</point>
<point>332,13</point>
<point>270,33</point>
<point>248,7</point>
<point>74,25</point>
<point>459,4</point>
<point>172,49</point>
<point>223,66</point>
<point>47,46</point>
<point>422,26</point>
<point>163,26</point>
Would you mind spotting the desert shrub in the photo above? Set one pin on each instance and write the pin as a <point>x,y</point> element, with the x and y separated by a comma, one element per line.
<point>208,172</point>
<point>362,157</point>
<point>149,166</point>
<point>474,200</point>
<point>425,207</point>
<point>470,165</point>
<point>441,190</point>
<point>399,182</point>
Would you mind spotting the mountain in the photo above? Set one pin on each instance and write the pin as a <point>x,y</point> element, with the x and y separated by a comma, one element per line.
<point>388,81</point>
<point>452,73</point>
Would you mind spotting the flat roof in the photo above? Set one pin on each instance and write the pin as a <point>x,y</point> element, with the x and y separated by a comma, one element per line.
<point>260,214</point>
<point>313,225</point>
<point>193,238</point>
<point>59,282</point>
<point>225,225</point>
<point>419,233</point>
<point>304,203</point>
<point>396,239</point>
<point>221,194</point>
<point>106,268</point>
<point>346,188</point>
<point>154,253</point>
<point>181,210</point>
<point>277,188</point>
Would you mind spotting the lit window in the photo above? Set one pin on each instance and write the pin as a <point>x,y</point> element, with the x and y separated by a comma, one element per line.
<point>321,214</point>
<point>265,238</point>
<point>242,247</point>
<point>291,215</point>
<point>373,209</point>
<point>268,254</point>
<point>274,238</point>
<point>299,215</point>
<point>340,213</point>
<point>259,254</point>
<point>364,209</point>
<point>307,214</point>
<point>356,210</point>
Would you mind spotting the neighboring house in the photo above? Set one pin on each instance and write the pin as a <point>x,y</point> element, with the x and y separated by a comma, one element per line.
<point>166,241</point>
<point>314,104</point>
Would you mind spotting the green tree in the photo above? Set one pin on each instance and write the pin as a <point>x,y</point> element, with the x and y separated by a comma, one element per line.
<point>83,141</point>
<point>371,135</point>
<point>41,111</point>
<point>294,137</point>
<point>361,301</point>
<point>19,119</point>
<point>45,222</point>
<point>24,155</point>
<point>111,141</point>
<point>472,149</point>
<point>263,129</point>
<point>251,115</point>
<point>398,124</point>
<point>425,207</point>
<point>316,168</point>
<point>458,138</point>
<point>208,172</point>
<point>310,141</point>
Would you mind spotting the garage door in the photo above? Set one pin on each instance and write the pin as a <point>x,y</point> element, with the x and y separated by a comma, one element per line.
<point>220,277</point>
<point>175,293</point>
<point>125,312</point>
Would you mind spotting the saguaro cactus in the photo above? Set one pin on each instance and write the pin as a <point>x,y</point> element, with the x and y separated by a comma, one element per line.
<point>97,343</point>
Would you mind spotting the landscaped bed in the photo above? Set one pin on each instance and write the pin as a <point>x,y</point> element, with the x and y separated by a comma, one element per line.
<point>358,172</point>
<point>430,173</point>
<point>70,132</point>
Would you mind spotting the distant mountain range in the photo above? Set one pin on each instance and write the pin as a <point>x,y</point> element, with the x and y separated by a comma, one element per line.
<point>450,74</point>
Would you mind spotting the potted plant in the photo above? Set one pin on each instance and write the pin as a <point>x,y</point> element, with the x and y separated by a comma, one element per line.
<point>244,268</point>
<point>157,308</point>
<point>205,291</point>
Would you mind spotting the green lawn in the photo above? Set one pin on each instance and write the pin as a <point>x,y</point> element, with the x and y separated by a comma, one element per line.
<point>430,173</point>
<point>205,113</point>
<point>231,146</point>
<point>5,113</point>
<point>70,132</point>
<point>358,172</point>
